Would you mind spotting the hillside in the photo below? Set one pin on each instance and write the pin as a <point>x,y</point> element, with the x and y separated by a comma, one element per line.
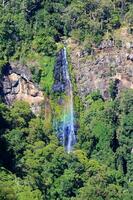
<point>66,100</point>
<point>107,64</point>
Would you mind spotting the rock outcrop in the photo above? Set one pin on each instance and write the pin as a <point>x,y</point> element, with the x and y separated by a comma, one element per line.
<point>108,63</point>
<point>16,84</point>
<point>60,81</point>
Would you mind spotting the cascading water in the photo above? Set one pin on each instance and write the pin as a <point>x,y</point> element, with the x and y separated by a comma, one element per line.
<point>68,120</point>
<point>63,84</point>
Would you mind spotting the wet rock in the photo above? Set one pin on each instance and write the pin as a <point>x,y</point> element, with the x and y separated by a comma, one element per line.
<point>60,82</point>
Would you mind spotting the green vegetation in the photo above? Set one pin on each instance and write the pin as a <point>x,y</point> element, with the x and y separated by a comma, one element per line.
<point>33,165</point>
<point>38,26</point>
<point>47,79</point>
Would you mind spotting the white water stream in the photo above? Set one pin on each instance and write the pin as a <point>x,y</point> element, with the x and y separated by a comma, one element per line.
<point>69,137</point>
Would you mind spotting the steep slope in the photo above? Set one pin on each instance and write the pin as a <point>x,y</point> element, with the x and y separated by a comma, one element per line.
<point>108,63</point>
<point>17,84</point>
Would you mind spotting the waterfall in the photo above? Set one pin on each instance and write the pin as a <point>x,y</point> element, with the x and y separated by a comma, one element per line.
<point>68,122</point>
<point>63,83</point>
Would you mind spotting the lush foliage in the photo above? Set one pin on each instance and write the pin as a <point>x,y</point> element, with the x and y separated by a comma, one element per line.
<point>39,25</point>
<point>33,165</point>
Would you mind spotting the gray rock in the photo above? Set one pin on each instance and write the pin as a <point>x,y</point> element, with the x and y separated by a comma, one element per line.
<point>60,82</point>
<point>15,89</point>
<point>130,57</point>
<point>6,86</point>
<point>23,71</point>
<point>16,84</point>
<point>106,44</point>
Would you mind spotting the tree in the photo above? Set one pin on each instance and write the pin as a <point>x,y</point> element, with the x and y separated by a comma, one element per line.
<point>20,114</point>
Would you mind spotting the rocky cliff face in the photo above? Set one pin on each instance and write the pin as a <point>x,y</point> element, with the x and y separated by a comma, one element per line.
<point>107,63</point>
<point>60,81</point>
<point>16,84</point>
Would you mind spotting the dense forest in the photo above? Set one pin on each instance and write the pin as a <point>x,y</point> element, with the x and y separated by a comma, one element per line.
<point>33,163</point>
